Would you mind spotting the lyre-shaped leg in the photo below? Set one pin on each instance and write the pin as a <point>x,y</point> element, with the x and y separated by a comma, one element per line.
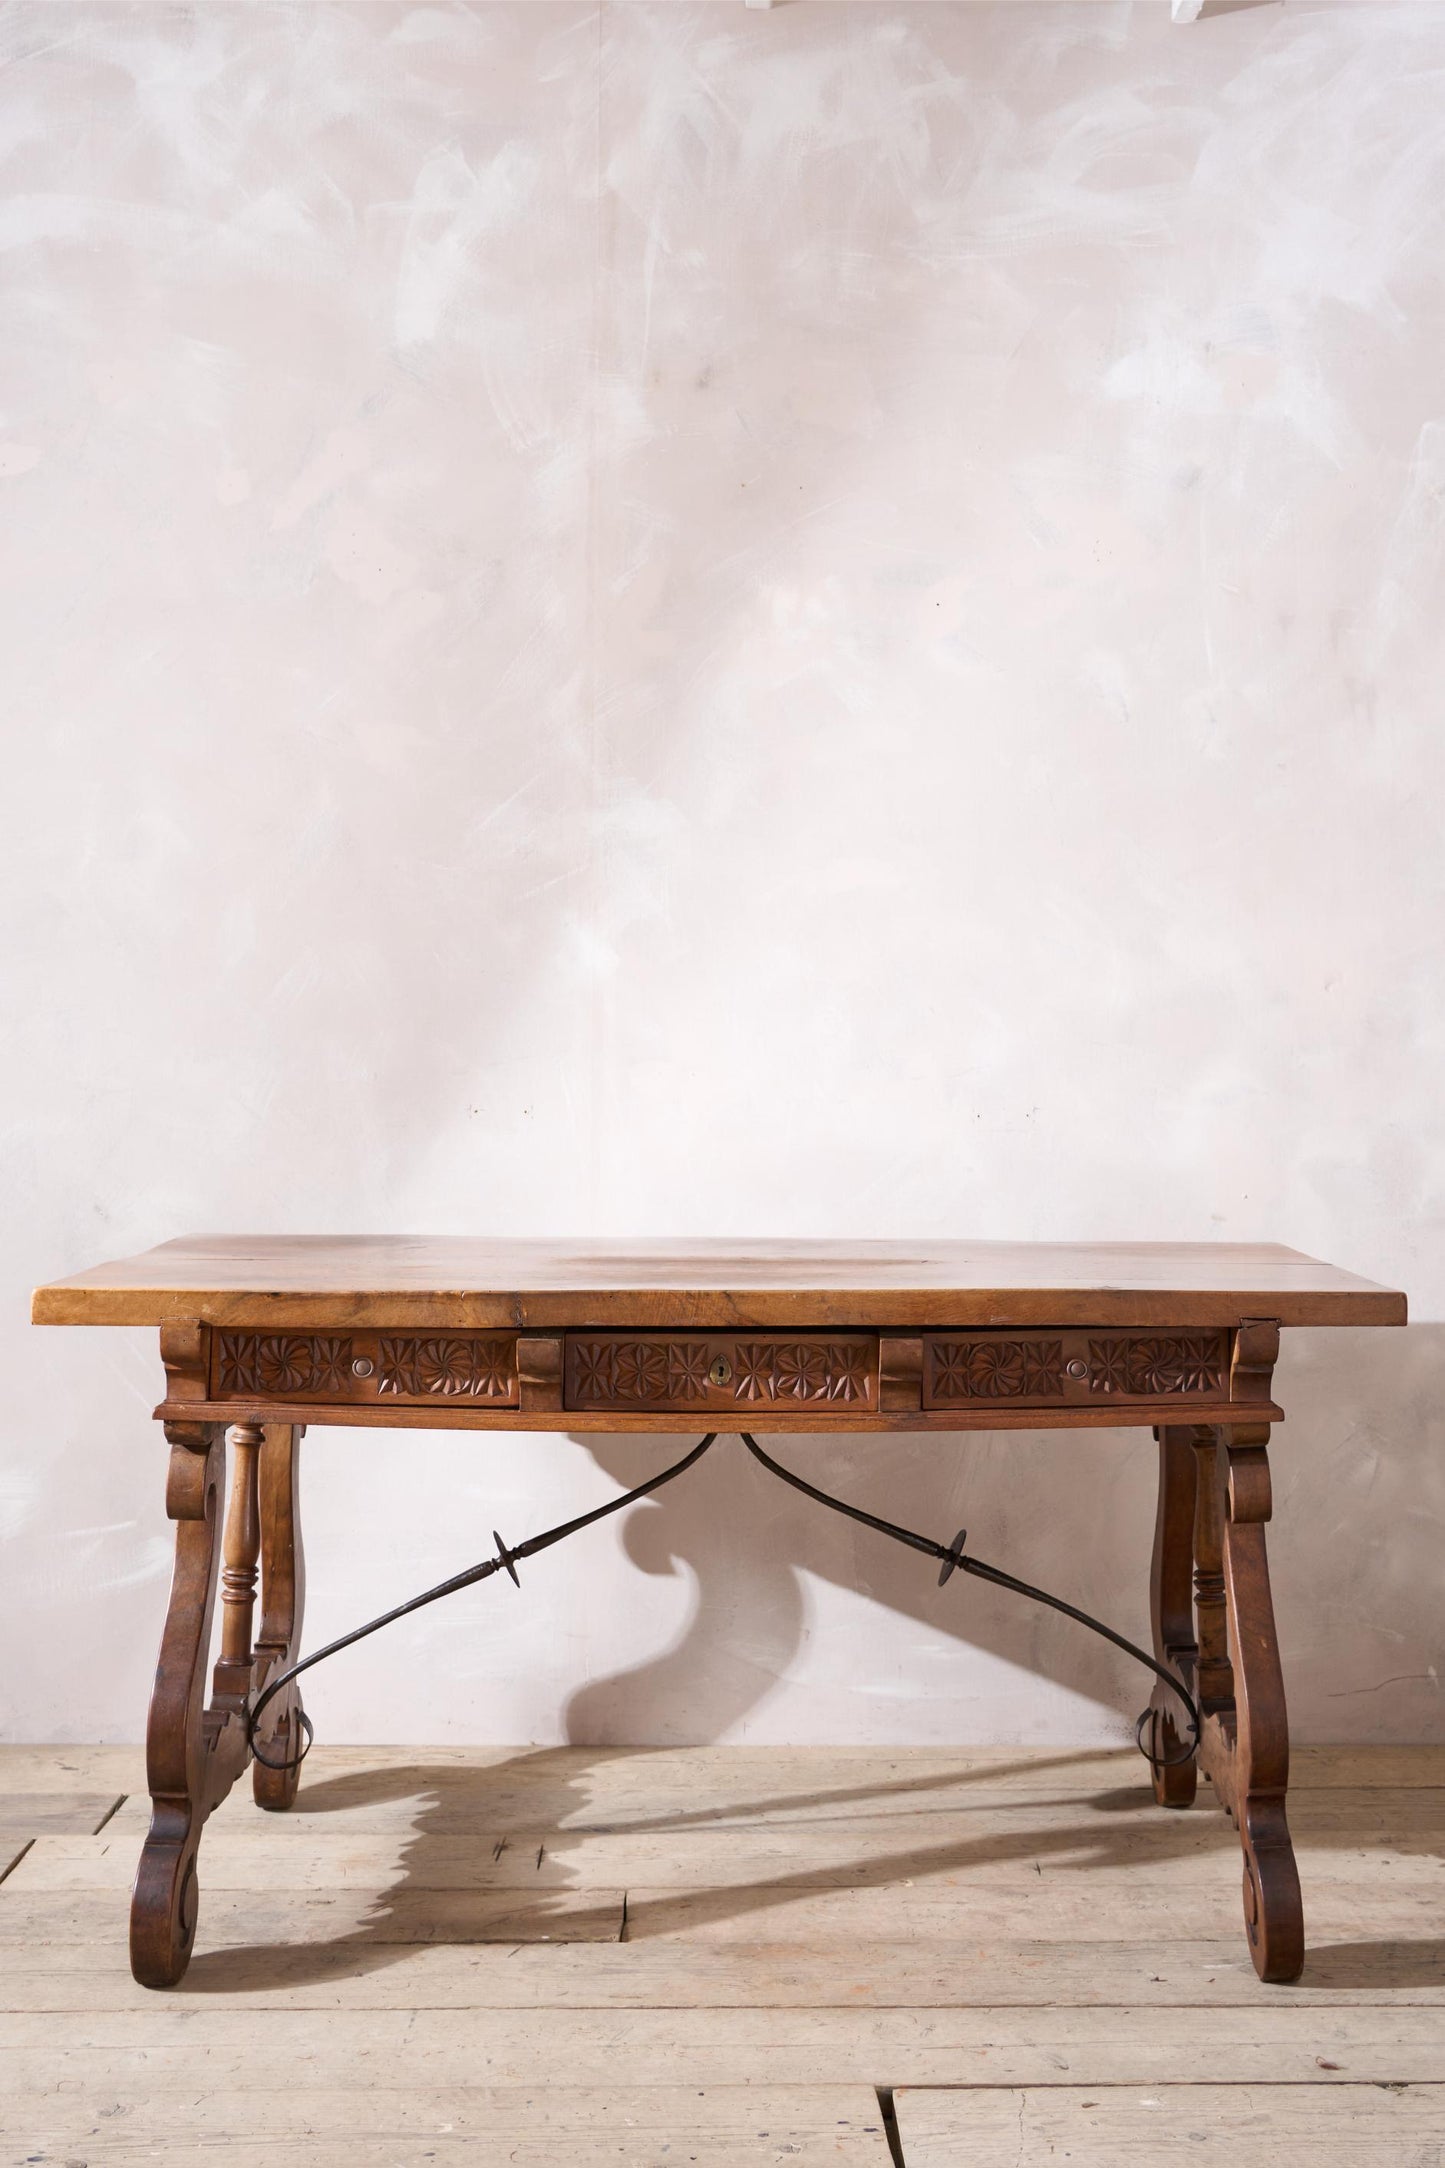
<point>193,1755</point>
<point>283,1597</point>
<point>1247,1745</point>
<point>1171,1590</point>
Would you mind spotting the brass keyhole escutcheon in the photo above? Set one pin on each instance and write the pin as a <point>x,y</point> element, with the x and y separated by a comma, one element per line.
<point>721,1372</point>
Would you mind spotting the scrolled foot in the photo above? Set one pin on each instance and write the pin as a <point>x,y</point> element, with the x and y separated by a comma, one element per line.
<point>1273,1908</point>
<point>1252,1772</point>
<point>165,1904</point>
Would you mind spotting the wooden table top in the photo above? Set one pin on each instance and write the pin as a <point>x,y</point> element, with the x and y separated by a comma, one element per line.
<point>448,1280</point>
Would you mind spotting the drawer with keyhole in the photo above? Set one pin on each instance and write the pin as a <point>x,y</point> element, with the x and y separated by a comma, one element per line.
<point>360,1367</point>
<point>703,1372</point>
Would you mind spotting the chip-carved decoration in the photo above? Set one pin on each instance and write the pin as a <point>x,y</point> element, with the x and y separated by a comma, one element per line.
<point>996,1369</point>
<point>437,1366</point>
<point>640,1367</point>
<point>1109,1366</point>
<point>801,1370</point>
<point>280,1365</point>
<point>607,1372</point>
<point>594,1375</point>
<point>363,1366</point>
<point>1073,1367</point>
<point>1141,1368</point>
<point>686,1369</point>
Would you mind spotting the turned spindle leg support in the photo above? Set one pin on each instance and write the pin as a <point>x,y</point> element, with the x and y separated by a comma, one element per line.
<point>1214,1674</point>
<point>194,1754</point>
<point>1171,1590</point>
<point>232,1682</point>
<point>283,1596</point>
<point>1247,1744</point>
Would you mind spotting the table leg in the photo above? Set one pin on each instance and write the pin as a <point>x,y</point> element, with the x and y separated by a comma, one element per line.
<point>1171,1608</point>
<point>1246,1744</point>
<point>193,1754</point>
<point>283,1598</point>
<point>1214,1675</point>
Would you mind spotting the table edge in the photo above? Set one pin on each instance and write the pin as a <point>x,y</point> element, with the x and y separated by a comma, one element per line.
<point>865,1309</point>
<point>786,1421</point>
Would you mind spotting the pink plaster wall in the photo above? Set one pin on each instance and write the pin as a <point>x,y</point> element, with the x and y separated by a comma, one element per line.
<point>673,619</point>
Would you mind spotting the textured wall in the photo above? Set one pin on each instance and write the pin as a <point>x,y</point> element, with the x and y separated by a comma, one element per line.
<point>680,620</point>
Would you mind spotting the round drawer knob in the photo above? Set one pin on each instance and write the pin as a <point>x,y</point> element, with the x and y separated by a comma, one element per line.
<point>362,1368</point>
<point>1077,1368</point>
<point>721,1372</point>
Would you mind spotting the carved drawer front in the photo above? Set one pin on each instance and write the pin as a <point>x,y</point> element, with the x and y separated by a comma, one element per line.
<point>1069,1369</point>
<point>367,1367</point>
<point>713,1372</point>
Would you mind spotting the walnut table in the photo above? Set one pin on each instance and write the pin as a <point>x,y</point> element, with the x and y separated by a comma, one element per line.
<point>262,1335</point>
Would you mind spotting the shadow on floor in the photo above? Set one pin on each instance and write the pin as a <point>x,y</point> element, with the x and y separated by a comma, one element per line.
<point>549,1794</point>
<point>1356,1966</point>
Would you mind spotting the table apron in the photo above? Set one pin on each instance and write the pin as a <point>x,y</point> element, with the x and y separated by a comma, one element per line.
<point>966,1378</point>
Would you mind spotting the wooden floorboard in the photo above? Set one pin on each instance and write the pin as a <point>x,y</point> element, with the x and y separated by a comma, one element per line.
<point>380,1802</point>
<point>646,2126</point>
<point>720,1956</point>
<point>89,1972</point>
<point>369,1915</point>
<point>700,2046</point>
<point>744,1772</point>
<point>1013,1852</point>
<point>1166,2126</point>
<point>24,1815</point>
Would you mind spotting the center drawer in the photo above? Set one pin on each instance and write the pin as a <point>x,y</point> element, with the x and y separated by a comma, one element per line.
<point>702,1371</point>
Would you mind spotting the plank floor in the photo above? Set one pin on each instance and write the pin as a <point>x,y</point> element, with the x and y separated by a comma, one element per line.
<point>724,1956</point>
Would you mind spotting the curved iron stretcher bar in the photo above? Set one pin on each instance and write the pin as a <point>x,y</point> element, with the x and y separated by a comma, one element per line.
<point>952,1556</point>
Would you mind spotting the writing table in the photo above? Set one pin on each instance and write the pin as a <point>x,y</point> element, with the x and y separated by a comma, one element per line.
<point>262,1335</point>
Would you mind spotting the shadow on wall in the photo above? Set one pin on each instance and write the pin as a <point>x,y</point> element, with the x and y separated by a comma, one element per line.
<point>1359,1504</point>
<point>1356,1544</point>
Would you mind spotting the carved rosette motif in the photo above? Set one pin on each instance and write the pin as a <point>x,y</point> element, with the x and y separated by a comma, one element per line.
<point>997,1369</point>
<point>1075,1367</point>
<point>686,1369</point>
<point>274,1365</point>
<point>640,1368</point>
<point>451,1369</point>
<point>663,1373</point>
<point>801,1370</point>
<point>359,1366</point>
<point>1141,1368</point>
